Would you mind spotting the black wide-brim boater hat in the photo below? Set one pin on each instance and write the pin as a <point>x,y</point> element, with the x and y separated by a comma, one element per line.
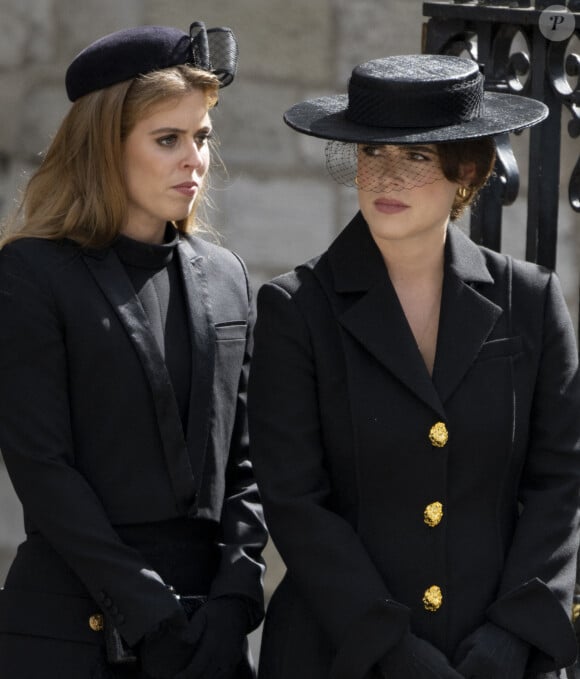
<point>131,52</point>
<point>414,99</point>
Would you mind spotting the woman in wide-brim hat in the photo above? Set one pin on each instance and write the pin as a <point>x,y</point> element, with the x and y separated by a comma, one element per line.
<point>124,351</point>
<point>413,406</point>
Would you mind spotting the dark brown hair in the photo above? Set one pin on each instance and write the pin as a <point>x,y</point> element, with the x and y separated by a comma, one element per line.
<point>457,156</point>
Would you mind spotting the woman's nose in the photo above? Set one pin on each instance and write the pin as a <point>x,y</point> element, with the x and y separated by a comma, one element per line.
<point>393,166</point>
<point>194,157</point>
<point>392,173</point>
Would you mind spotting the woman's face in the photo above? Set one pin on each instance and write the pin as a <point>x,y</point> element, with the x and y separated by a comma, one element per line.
<point>165,159</point>
<point>402,191</point>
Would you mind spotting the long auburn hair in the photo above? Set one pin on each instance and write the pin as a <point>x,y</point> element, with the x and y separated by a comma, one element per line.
<point>78,192</point>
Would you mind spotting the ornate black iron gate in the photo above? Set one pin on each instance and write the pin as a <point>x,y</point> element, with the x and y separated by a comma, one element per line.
<point>529,47</point>
<point>522,47</point>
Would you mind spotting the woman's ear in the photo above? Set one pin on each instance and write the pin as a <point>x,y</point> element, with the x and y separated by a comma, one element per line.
<point>467,174</point>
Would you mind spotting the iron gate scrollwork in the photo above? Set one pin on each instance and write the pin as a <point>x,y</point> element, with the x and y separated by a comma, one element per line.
<point>505,39</point>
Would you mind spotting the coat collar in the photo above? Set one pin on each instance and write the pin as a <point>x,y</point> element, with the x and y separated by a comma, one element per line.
<point>355,260</point>
<point>184,459</point>
<point>375,317</point>
<point>357,264</point>
<point>467,315</point>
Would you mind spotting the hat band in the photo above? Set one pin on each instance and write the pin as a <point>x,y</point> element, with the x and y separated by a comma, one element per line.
<point>414,108</point>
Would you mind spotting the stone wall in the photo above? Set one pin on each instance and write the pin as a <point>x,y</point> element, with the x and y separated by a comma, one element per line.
<point>276,206</point>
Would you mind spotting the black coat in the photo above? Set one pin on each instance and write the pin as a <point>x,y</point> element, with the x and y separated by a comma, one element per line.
<point>341,409</point>
<point>90,429</point>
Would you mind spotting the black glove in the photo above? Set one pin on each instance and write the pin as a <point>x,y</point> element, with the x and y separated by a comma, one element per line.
<point>222,625</point>
<point>492,653</point>
<point>169,648</point>
<point>414,658</point>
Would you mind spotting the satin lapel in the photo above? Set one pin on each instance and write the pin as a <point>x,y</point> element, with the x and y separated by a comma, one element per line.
<point>375,317</point>
<point>116,286</point>
<point>203,340</point>
<point>467,316</point>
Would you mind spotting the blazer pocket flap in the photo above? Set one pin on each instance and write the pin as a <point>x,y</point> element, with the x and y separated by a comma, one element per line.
<point>506,346</point>
<point>231,330</point>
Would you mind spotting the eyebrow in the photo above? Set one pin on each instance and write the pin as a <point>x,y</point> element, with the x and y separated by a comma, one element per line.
<point>177,130</point>
<point>418,147</point>
<point>404,147</point>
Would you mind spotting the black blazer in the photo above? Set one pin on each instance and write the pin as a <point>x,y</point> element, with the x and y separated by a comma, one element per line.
<point>341,410</point>
<point>89,426</point>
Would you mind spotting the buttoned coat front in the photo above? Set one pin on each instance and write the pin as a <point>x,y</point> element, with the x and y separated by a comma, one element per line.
<point>381,524</point>
<point>92,437</point>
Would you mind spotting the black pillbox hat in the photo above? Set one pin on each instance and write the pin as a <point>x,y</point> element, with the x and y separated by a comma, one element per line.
<point>125,54</point>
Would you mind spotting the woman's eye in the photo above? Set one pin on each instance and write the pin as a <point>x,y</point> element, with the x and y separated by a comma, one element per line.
<point>169,140</point>
<point>372,151</point>
<point>202,139</point>
<point>417,155</point>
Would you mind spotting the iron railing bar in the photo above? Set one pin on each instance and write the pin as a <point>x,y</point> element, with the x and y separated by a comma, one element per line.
<point>544,163</point>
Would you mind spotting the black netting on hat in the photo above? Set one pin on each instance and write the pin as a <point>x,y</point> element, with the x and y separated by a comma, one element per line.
<point>214,50</point>
<point>382,168</point>
<point>223,54</point>
<point>341,162</point>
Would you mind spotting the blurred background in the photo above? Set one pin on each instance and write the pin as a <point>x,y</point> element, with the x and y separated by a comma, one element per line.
<point>275,205</point>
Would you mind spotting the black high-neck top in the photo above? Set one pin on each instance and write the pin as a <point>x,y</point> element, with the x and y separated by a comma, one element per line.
<point>156,277</point>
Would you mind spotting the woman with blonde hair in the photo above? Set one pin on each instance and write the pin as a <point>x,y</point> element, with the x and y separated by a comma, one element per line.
<point>124,350</point>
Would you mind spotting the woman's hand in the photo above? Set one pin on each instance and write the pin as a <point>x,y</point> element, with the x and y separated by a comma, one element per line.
<point>414,658</point>
<point>221,626</point>
<point>168,649</point>
<point>492,653</point>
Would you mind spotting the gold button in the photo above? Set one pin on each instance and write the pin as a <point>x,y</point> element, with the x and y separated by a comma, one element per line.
<point>433,514</point>
<point>433,598</point>
<point>96,622</point>
<point>438,434</point>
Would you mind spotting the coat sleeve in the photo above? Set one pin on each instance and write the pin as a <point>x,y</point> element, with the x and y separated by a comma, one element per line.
<point>243,532</point>
<point>37,444</point>
<point>535,597</point>
<point>321,550</point>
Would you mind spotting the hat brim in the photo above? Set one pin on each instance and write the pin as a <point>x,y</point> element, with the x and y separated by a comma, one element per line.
<point>325,118</point>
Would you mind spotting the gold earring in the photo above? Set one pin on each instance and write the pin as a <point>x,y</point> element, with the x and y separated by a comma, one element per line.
<point>463,192</point>
<point>356,180</point>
